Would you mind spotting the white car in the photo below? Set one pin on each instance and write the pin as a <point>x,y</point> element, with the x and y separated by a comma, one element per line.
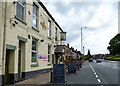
<point>98,60</point>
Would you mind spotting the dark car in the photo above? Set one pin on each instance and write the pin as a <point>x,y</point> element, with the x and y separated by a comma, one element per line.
<point>91,60</point>
<point>98,60</point>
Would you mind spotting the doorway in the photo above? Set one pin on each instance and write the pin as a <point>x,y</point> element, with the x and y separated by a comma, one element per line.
<point>6,77</point>
<point>21,59</point>
<point>9,66</point>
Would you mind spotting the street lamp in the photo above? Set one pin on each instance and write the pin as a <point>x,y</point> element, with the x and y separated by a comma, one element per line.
<point>82,40</point>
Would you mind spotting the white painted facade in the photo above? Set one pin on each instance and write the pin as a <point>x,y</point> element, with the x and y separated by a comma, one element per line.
<point>17,32</point>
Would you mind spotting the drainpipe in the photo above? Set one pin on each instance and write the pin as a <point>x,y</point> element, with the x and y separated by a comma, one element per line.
<point>4,40</point>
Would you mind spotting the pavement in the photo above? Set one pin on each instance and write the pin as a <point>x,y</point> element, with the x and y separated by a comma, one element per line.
<point>41,79</point>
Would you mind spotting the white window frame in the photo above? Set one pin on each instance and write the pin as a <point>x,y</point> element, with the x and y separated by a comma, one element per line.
<point>49,28</point>
<point>18,9</point>
<point>49,52</point>
<point>34,51</point>
<point>35,16</point>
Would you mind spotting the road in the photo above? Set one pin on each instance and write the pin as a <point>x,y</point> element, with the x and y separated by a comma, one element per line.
<point>105,72</point>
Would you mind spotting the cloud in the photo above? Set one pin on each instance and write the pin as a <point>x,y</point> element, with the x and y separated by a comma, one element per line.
<point>100,18</point>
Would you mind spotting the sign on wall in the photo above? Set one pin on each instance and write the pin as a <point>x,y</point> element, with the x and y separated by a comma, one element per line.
<point>43,25</point>
<point>42,57</point>
<point>63,36</point>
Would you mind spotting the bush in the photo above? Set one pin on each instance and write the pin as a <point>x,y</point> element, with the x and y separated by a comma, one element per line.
<point>113,58</point>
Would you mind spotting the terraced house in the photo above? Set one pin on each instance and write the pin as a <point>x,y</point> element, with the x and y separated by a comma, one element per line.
<point>28,35</point>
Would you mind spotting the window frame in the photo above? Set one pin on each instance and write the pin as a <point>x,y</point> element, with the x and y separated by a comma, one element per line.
<point>49,52</point>
<point>34,51</point>
<point>56,32</point>
<point>23,17</point>
<point>35,16</point>
<point>49,29</point>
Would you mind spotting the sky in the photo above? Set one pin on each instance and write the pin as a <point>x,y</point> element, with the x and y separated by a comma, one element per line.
<point>100,18</point>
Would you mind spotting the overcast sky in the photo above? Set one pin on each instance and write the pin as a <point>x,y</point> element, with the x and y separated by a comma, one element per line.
<point>100,18</point>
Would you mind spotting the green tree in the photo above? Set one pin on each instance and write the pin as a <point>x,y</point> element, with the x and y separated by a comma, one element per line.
<point>89,55</point>
<point>114,43</point>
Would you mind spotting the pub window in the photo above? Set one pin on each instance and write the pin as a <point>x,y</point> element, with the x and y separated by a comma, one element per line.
<point>20,10</point>
<point>35,16</point>
<point>49,52</point>
<point>55,34</point>
<point>34,50</point>
<point>49,28</point>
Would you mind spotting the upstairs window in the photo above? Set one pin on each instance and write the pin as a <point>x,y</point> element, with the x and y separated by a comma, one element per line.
<point>49,28</point>
<point>20,10</point>
<point>35,16</point>
<point>55,34</point>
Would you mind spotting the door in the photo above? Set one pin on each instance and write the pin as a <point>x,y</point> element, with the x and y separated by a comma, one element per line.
<point>6,78</point>
<point>20,60</point>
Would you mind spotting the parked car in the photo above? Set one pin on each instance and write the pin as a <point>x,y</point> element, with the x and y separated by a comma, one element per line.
<point>91,60</point>
<point>98,60</point>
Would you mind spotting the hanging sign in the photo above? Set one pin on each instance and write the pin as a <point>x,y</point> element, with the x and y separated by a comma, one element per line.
<point>63,36</point>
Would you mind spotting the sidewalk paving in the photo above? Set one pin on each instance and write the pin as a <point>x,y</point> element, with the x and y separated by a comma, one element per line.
<point>37,80</point>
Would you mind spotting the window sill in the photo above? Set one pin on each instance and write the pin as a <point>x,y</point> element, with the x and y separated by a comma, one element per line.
<point>21,20</point>
<point>35,29</point>
<point>49,64</point>
<point>34,65</point>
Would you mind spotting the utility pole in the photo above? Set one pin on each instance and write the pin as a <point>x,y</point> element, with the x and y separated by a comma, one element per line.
<point>82,41</point>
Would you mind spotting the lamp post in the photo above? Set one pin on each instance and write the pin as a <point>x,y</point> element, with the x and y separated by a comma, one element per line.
<point>82,41</point>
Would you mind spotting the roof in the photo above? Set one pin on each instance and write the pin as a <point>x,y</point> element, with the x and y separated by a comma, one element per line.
<point>59,49</point>
<point>45,9</point>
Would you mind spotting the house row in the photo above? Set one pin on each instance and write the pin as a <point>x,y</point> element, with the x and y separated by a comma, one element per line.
<point>65,54</point>
<point>28,36</point>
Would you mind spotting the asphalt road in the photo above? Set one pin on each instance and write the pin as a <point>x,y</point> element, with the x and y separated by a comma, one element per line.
<point>105,72</point>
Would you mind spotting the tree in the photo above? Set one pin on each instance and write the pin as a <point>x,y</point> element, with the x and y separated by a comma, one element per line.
<point>114,47</point>
<point>89,55</point>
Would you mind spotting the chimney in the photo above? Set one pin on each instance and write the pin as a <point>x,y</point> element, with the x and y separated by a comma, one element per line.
<point>68,45</point>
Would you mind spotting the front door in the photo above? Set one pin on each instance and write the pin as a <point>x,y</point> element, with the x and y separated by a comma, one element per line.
<point>6,78</point>
<point>20,60</point>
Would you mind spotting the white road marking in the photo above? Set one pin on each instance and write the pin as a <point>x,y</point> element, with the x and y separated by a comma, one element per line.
<point>113,61</point>
<point>95,74</point>
<point>115,67</point>
<point>92,69</point>
<point>98,80</point>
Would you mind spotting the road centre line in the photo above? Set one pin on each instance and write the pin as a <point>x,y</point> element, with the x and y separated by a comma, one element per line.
<point>95,73</point>
<point>96,76</point>
<point>92,68</point>
<point>99,80</point>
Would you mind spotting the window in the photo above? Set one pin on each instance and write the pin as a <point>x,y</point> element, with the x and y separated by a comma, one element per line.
<point>20,12</point>
<point>55,34</point>
<point>49,52</point>
<point>35,16</point>
<point>34,50</point>
<point>49,28</point>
